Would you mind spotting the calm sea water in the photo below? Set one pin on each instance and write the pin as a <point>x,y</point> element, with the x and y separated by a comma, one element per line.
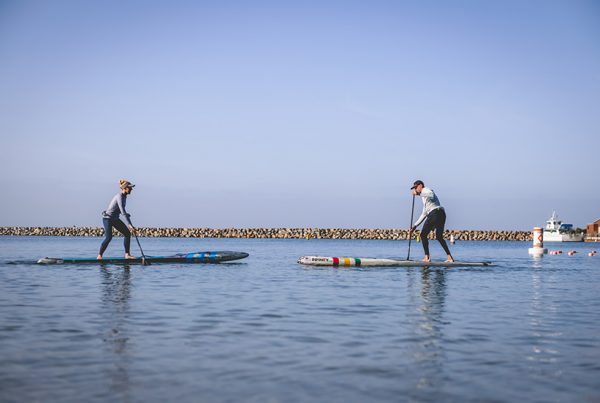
<point>269,330</point>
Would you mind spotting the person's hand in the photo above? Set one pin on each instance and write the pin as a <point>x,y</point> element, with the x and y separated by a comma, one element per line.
<point>131,229</point>
<point>414,192</point>
<point>411,230</point>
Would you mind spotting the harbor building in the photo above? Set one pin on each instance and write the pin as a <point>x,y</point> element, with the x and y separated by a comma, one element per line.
<point>593,232</point>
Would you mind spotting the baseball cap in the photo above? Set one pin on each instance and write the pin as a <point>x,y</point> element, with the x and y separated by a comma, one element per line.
<point>417,183</point>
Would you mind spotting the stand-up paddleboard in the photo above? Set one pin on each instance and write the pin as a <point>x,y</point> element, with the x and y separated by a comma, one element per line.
<point>194,257</point>
<point>374,262</point>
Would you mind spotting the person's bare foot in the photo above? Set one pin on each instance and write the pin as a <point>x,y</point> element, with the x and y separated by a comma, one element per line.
<point>450,259</point>
<point>99,257</point>
<point>128,256</point>
<point>426,259</point>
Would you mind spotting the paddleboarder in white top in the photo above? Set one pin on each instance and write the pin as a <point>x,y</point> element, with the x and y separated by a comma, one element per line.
<point>434,217</point>
<point>110,219</point>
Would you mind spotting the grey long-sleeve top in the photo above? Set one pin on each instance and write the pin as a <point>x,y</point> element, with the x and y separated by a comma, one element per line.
<point>430,203</point>
<point>117,207</point>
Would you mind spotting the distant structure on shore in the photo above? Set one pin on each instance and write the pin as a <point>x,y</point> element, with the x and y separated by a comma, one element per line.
<point>593,232</point>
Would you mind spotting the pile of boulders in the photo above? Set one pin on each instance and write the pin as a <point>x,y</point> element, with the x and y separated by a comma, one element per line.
<point>273,233</point>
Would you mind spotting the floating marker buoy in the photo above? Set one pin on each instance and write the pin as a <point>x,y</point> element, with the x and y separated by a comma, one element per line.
<point>538,243</point>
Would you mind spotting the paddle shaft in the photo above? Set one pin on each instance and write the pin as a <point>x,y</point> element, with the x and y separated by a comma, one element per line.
<point>412,211</point>
<point>144,262</point>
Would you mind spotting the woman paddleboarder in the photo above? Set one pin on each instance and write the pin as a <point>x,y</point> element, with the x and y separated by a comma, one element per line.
<point>434,216</point>
<point>110,219</point>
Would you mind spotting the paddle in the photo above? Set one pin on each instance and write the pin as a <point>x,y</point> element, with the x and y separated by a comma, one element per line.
<point>412,211</point>
<point>144,261</point>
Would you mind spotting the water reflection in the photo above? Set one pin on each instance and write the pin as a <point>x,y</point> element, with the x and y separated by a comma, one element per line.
<point>428,350</point>
<point>541,314</point>
<point>116,283</point>
<point>537,261</point>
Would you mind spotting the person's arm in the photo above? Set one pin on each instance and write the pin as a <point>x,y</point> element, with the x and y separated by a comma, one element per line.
<point>421,219</point>
<point>426,194</point>
<point>123,212</point>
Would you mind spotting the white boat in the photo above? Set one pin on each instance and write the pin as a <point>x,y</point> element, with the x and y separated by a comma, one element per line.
<point>556,231</point>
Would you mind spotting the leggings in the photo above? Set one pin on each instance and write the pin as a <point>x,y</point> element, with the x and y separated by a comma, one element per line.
<point>435,220</point>
<point>121,227</point>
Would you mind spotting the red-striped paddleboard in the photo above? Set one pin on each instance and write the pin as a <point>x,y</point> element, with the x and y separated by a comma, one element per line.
<point>374,262</point>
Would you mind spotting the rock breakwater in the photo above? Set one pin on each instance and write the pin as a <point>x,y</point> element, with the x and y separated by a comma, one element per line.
<point>272,233</point>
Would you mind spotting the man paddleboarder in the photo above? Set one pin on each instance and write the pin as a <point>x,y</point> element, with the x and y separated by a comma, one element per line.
<point>434,216</point>
<point>110,219</point>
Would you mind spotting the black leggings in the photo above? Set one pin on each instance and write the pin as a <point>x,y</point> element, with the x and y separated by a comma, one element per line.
<point>435,220</point>
<point>121,227</point>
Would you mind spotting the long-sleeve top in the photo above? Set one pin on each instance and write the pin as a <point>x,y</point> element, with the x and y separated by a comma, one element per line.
<point>117,207</point>
<point>430,203</point>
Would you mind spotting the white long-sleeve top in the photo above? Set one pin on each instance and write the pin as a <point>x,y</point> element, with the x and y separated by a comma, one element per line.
<point>430,203</point>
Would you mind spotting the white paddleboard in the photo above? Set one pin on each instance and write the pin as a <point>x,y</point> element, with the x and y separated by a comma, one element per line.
<point>373,262</point>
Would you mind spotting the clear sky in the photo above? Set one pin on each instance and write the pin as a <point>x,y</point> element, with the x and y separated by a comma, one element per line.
<point>300,114</point>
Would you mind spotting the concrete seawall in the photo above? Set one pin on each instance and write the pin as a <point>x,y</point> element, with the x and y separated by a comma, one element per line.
<point>271,233</point>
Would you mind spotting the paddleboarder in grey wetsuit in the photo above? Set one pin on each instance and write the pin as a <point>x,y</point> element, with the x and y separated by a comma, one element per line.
<point>434,216</point>
<point>110,219</point>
